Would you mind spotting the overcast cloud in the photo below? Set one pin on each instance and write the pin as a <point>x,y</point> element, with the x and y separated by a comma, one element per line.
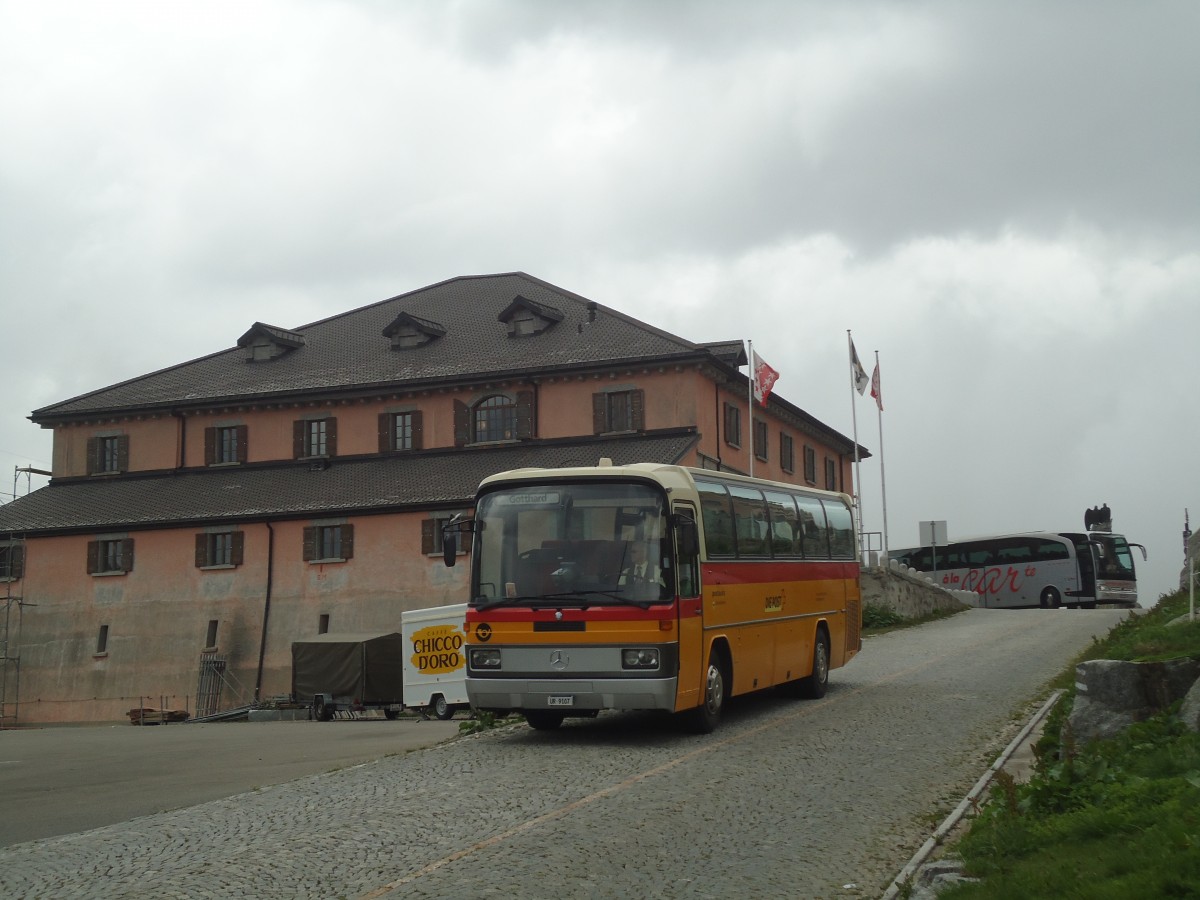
<point>1002,198</point>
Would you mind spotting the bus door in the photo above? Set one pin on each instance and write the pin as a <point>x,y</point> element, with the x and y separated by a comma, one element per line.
<point>1085,555</point>
<point>690,604</point>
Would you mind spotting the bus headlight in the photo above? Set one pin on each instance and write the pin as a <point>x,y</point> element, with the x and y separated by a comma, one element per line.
<point>485,658</point>
<point>639,658</point>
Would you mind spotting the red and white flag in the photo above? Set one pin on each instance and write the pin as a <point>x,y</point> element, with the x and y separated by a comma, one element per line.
<point>764,379</point>
<point>876,391</point>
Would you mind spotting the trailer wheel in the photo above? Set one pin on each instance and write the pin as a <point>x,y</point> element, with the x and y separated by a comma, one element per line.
<point>391,714</point>
<point>442,709</point>
<point>322,711</point>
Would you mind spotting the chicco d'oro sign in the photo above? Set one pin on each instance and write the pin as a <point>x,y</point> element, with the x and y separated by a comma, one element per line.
<point>437,650</point>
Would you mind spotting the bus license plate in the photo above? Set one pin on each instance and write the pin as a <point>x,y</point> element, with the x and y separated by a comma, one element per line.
<point>561,701</point>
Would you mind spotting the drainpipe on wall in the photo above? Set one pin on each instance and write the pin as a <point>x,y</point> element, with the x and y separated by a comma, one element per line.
<point>717,430</point>
<point>262,646</point>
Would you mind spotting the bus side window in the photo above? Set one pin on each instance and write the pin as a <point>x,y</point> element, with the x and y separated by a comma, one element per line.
<point>785,527</point>
<point>750,521</point>
<point>841,530</point>
<point>815,537</point>
<point>718,521</point>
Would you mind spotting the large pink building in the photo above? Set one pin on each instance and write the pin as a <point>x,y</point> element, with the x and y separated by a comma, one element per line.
<point>203,517</point>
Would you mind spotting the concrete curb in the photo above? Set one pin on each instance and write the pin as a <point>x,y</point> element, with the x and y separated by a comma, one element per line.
<point>913,865</point>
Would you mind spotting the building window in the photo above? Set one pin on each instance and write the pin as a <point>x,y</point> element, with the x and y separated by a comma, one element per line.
<point>102,641</point>
<point>323,624</point>
<point>210,639</point>
<point>618,411</point>
<point>12,561</point>
<point>110,556</point>
<point>787,453</point>
<point>830,475</point>
<point>108,454</point>
<point>314,438</point>
<point>433,538</point>
<point>810,465</point>
<point>494,418</point>
<point>219,549</point>
<point>760,440</point>
<point>328,543</point>
<point>399,431</point>
<point>733,425</point>
<point>225,445</point>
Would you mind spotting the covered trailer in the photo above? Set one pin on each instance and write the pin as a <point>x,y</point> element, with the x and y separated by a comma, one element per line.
<point>349,672</point>
<point>435,669</point>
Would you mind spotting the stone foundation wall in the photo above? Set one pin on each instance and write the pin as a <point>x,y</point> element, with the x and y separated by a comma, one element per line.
<point>909,593</point>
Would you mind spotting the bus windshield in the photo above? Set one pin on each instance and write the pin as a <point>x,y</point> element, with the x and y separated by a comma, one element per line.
<point>1113,556</point>
<point>567,543</point>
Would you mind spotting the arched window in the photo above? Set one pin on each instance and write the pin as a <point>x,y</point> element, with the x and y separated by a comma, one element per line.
<point>494,419</point>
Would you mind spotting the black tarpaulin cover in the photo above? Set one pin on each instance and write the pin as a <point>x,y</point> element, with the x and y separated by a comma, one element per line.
<point>366,667</point>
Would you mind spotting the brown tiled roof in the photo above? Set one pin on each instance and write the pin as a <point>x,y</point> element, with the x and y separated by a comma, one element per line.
<point>349,352</point>
<point>351,486</point>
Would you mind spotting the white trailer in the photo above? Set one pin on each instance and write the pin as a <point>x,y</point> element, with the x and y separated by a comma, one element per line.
<point>435,672</point>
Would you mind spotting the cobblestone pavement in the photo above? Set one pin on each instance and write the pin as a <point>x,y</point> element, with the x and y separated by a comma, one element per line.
<point>802,799</point>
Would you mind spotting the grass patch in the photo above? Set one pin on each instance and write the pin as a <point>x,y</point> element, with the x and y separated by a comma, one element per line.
<point>881,619</point>
<point>1115,819</point>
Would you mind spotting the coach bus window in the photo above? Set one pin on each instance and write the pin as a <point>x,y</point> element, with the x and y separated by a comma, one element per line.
<point>718,520</point>
<point>815,537</point>
<point>785,527</point>
<point>841,530</point>
<point>749,521</point>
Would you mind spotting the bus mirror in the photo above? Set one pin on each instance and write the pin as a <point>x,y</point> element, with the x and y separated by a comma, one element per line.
<point>452,533</point>
<point>686,534</point>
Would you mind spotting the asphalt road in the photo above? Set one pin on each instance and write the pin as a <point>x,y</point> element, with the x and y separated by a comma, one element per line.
<point>62,780</point>
<point>788,798</point>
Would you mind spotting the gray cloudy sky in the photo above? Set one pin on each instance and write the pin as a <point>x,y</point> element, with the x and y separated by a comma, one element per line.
<point>1002,198</point>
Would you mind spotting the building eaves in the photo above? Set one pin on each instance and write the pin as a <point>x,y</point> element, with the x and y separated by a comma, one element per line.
<point>353,486</point>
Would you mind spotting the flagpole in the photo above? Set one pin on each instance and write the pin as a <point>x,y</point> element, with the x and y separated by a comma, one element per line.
<point>882,475</point>
<point>750,407</point>
<point>857,464</point>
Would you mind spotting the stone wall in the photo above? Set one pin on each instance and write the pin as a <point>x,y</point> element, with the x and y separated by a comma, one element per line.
<point>908,592</point>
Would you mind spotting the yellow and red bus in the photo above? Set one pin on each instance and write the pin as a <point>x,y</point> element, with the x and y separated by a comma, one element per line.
<point>653,587</point>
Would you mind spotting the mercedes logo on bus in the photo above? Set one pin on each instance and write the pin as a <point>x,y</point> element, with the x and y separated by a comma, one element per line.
<point>558,660</point>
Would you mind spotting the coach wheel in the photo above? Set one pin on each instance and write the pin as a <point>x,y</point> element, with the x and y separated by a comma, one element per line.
<point>704,718</point>
<point>442,709</point>
<point>543,720</point>
<point>1051,599</point>
<point>815,685</point>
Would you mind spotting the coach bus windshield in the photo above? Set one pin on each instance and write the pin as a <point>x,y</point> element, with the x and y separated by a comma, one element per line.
<point>572,544</point>
<point>1114,559</point>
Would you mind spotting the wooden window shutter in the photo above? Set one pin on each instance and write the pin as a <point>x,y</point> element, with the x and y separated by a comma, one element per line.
<point>310,543</point>
<point>637,406</point>
<point>347,541</point>
<point>298,435</point>
<point>201,551</point>
<point>599,413</point>
<point>127,555</point>
<point>385,432</point>
<point>16,560</point>
<point>93,455</point>
<point>416,430</point>
<point>123,453</point>
<point>210,446</point>
<point>331,436</point>
<point>462,424</point>
<point>243,442</point>
<point>427,526</point>
<point>237,551</point>
<point>93,557</point>
<point>525,412</point>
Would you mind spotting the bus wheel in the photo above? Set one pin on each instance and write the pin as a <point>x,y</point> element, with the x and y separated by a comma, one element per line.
<point>1051,599</point>
<point>442,709</point>
<point>543,720</point>
<point>814,686</point>
<point>704,718</point>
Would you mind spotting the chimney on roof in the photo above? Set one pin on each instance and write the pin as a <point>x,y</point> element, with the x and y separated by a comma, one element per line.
<point>591,308</point>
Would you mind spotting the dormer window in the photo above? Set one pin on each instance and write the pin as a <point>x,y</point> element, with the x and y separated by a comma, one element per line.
<point>525,317</point>
<point>408,332</point>
<point>266,342</point>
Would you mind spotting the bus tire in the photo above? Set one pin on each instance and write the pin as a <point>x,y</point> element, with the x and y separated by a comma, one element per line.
<point>1050,598</point>
<point>543,719</point>
<point>705,717</point>
<point>814,686</point>
<point>442,709</point>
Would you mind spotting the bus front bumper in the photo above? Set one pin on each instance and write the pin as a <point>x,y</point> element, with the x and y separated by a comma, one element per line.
<point>569,696</point>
